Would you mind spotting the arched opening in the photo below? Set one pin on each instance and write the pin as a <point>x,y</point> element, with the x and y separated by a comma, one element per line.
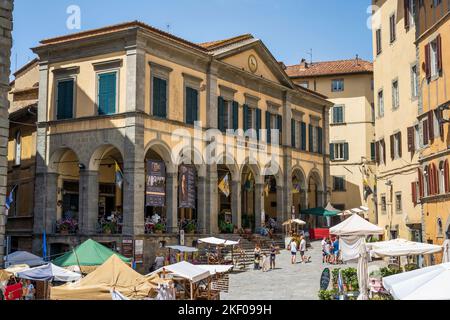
<point>298,193</point>
<point>110,192</point>
<point>225,219</point>
<point>248,218</point>
<point>68,192</point>
<point>187,197</point>
<point>270,198</point>
<point>156,191</point>
<point>314,201</point>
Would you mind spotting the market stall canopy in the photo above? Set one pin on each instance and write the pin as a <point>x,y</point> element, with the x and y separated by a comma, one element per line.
<point>89,253</point>
<point>5,275</point>
<point>17,268</point>
<point>320,212</point>
<point>214,269</point>
<point>329,207</point>
<point>355,226</point>
<point>401,247</point>
<point>294,221</point>
<point>23,257</point>
<point>345,213</point>
<point>431,283</point>
<point>217,241</point>
<point>49,272</point>
<point>113,274</point>
<point>187,271</point>
<point>183,248</point>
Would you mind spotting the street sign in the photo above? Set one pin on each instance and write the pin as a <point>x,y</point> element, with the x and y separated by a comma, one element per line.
<point>325,279</point>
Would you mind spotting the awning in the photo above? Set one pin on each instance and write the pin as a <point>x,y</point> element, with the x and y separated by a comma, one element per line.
<point>294,221</point>
<point>23,257</point>
<point>320,212</point>
<point>17,268</point>
<point>355,226</point>
<point>183,248</point>
<point>213,269</point>
<point>401,247</point>
<point>49,272</point>
<point>186,270</point>
<point>217,241</point>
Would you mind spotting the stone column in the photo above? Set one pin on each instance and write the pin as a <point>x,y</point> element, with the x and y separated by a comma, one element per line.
<point>172,201</point>
<point>259,204</point>
<point>6,8</point>
<point>51,191</point>
<point>88,207</point>
<point>236,203</point>
<point>133,199</point>
<point>202,220</point>
<point>211,200</point>
<point>282,204</point>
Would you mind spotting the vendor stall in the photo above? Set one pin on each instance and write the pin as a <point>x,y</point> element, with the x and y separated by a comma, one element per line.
<point>23,257</point>
<point>319,228</point>
<point>291,227</point>
<point>113,274</point>
<point>182,253</point>
<point>218,257</point>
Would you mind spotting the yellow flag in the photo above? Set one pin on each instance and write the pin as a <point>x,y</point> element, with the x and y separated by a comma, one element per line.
<point>224,186</point>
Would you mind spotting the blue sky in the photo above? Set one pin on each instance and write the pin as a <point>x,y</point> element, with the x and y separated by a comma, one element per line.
<point>334,29</point>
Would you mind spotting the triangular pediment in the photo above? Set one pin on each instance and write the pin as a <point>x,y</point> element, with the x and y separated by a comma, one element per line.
<point>255,58</point>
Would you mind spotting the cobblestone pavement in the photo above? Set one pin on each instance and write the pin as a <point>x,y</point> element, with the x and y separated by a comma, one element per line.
<point>286,282</point>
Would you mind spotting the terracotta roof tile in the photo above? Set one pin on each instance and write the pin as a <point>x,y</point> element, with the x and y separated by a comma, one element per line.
<point>325,68</point>
<point>213,45</point>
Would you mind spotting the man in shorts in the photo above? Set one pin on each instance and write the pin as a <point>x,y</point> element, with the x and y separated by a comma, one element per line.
<point>302,249</point>
<point>293,248</point>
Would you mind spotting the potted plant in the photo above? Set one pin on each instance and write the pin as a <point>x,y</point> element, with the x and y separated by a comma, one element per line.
<point>190,227</point>
<point>109,228</point>
<point>66,226</point>
<point>159,228</point>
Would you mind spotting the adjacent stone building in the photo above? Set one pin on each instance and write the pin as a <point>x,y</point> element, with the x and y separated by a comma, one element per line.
<point>141,132</point>
<point>348,84</point>
<point>6,8</point>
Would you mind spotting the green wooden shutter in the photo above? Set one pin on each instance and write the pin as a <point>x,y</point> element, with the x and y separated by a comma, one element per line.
<point>334,120</point>
<point>319,136</point>
<point>246,110</point>
<point>258,123</point>
<point>303,135</point>
<point>65,100</point>
<point>280,127</point>
<point>235,115</point>
<point>107,93</point>
<point>331,151</point>
<point>159,97</point>
<point>191,105</point>
<point>311,141</point>
<point>372,151</point>
<point>346,151</point>
<point>220,114</point>
<point>269,133</point>
<point>293,133</point>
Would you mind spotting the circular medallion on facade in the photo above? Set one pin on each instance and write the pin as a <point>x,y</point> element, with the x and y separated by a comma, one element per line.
<point>252,63</point>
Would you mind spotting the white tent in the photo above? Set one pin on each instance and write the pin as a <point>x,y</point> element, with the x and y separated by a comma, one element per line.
<point>352,232</point>
<point>49,272</point>
<point>187,271</point>
<point>183,248</point>
<point>294,221</point>
<point>401,247</point>
<point>213,269</point>
<point>431,283</point>
<point>23,257</point>
<point>217,241</point>
<point>355,226</point>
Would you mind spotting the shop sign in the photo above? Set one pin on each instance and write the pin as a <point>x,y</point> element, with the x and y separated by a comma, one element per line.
<point>186,187</point>
<point>155,185</point>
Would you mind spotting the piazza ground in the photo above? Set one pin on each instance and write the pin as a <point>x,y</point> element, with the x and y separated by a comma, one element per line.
<point>286,282</point>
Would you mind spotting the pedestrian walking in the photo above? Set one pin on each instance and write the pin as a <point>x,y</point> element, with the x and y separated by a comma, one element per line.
<point>257,253</point>
<point>323,244</point>
<point>336,250</point>
<point>273,255</point>
<point>302,249</point>
<point>293,248</point>
<point>327,251</point>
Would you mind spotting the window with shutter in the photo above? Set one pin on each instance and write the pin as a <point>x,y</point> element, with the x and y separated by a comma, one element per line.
<point>221,114</point>
<point>346,152</point>
<point>268,127</point>
<point>159,97</point>
<point>377,152</point>
<point>428,61</point>
<point>439,53</point>
<point>446,177</point>
<point>303,136</point>
<point>383,148</point>
<point>406,5</point>
<point>311,138</point>
<point>392,138</point>
<point>430,126</point>
<point>372,151</point>
<point>421,186</point>
<point>258,122</point>
<point>399,144</point>
<point>425,132</point>
<point>107,93</point>
<point>293,124</point>
<point>331,151</point>
<point>191,105</point>
<point>411,143</point>
<point>320,141</point>
<point>280,127</point>
<point>65,99</point>
<point>245,111</point>
<point>235,115</point>
<point>414,193</point>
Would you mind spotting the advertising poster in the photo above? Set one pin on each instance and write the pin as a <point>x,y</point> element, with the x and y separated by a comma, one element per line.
<point>155,185</point>
<point>139,251</point>
<point>186,187</point>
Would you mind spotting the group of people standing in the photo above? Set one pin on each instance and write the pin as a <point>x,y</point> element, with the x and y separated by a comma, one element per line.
<point>330,250</point>
<point>298,245</point>
<point>263,261</point>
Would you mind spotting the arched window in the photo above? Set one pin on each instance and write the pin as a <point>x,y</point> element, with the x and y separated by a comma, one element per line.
<point>18,149</point>
<point>426,185</point>
<point>435,179</point>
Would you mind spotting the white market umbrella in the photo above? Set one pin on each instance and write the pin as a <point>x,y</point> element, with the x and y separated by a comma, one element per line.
<point>431,283</point>
<point>49,272</point>
<point>353,232</point>
<point>446,256</point>
<point>218,241</point>
<point>401,248</point>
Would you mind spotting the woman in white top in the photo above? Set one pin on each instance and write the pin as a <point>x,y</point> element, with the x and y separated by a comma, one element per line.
<point>293,248</point>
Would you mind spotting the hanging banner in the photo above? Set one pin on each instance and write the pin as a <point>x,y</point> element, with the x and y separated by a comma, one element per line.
<point>155,185</point>
<point>186,187</point>
<point>224,186</point>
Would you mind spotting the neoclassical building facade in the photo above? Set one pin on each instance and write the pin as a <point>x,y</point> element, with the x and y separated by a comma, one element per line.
<point>135,123</point>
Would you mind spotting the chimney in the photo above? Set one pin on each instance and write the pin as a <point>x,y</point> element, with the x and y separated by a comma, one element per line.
<point>357,60</point>
<point>303,63</point>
